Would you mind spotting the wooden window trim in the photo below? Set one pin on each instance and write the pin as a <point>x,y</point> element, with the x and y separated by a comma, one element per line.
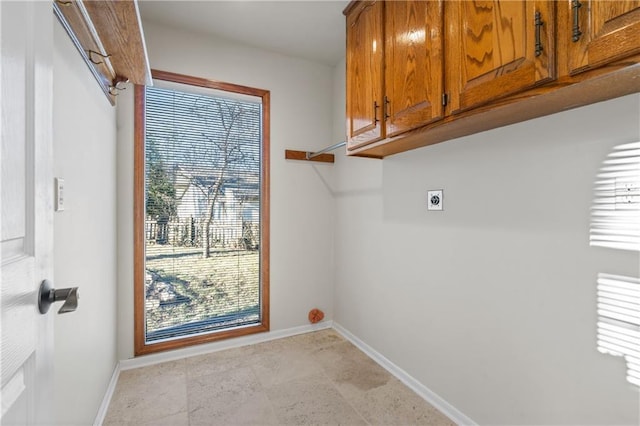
<point>140,346</point>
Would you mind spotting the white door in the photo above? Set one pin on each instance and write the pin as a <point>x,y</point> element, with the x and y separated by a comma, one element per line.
<point>26,205</point>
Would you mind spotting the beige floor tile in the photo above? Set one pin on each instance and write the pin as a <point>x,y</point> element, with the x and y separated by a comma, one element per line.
<point>301,342</point>
<point>352,371</point>
<point>290,358</point>
<point>216,362</point>
<point>149,393</point>
<point>180,419</point>
<point>311,401</point>
<point>314,378</point>
<point>315,340</point>
<point>228,397</point>
<point>284,365</point>
<point>394,403</point>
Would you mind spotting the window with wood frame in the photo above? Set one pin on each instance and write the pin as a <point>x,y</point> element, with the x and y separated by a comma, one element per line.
<point>201,212</point>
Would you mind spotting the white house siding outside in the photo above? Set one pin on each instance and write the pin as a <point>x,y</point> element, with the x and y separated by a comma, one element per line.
<point>235,224</point>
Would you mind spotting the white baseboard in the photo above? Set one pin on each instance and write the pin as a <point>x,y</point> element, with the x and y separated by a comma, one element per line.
<point>102,411</point>
<point>157,358</point>
<point>427,394</point>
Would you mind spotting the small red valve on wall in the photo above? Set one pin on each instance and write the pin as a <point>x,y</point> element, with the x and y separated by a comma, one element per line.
<point>315,315</point>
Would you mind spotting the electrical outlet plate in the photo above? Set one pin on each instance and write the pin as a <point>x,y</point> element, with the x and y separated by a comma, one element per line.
<point>435,199</point>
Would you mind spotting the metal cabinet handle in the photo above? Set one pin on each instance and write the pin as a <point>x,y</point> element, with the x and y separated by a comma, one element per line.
<point>47,295</point>
<point>575,7</point>
<point>375,112</point>
<point>386,108</point>
<point>538,23</point>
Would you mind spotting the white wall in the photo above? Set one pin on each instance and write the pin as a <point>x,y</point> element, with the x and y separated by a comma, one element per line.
<point>84,235</point>
<point>490,303</point>
<point>301,203</point>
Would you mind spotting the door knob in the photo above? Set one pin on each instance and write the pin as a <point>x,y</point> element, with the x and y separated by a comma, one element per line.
<point>47,295</point>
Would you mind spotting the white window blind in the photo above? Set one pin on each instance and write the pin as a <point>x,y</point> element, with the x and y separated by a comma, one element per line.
<point>202,212</point>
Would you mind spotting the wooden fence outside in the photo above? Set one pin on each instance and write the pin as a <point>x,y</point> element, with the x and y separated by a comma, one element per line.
<point>189,232</point>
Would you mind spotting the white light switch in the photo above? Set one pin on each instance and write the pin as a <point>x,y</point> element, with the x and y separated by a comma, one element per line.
<point>59,194</point>
<point>435,199</point>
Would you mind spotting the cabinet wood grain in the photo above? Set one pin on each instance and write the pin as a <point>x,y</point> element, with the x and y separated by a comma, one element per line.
<point>496,63</point>
<point>364,79</point>
<point>414,73</point>
<point>497,48</point>
<point>601,32</point>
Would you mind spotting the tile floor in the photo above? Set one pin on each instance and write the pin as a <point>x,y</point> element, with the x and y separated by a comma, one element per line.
<point>313,378</point>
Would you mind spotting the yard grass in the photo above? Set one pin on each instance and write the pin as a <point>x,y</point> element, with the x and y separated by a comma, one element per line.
<point>182,286</point>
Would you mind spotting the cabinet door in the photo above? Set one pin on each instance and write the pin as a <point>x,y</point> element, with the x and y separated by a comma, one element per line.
<point>364,74</point>
<point>497,48</point>
<point>601,31</point>
<point>413,64</point>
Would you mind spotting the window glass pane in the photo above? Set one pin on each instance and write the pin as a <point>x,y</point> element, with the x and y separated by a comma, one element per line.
<point>202,212</point>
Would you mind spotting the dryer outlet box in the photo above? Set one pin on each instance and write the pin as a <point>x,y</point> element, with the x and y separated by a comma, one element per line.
<point>435,199</point>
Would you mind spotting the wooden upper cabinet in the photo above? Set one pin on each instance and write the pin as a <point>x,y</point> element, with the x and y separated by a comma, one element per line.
<point>421,72</point>
<point>497,48</point>
<point>413,64</point>
<point>600,31</point>
<point>364,73</point>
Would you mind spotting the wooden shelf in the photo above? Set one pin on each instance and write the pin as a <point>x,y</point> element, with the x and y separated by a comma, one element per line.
<point>108,34</point>
<point>290,154</point>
